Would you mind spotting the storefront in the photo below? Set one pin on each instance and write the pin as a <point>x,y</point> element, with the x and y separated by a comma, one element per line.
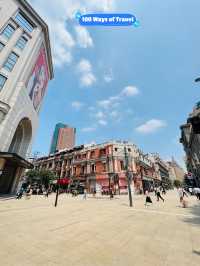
<point>11,169</point>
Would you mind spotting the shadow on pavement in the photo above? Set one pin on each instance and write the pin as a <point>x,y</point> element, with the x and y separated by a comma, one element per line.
<point>6,197</point>
<point>196,252</point>
<point>195,214</point>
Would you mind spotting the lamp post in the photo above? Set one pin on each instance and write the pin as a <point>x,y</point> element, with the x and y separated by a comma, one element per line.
<point>128,174</point>
<point>58,184</point>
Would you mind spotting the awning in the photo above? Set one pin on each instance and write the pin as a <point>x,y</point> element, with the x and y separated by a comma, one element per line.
<point>63,181</point>
<point>16,159</point>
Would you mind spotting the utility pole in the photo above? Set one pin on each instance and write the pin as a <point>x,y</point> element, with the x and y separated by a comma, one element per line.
<point>128,177</point>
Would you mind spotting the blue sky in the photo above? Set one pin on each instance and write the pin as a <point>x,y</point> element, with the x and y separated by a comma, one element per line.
<point>122,83</point>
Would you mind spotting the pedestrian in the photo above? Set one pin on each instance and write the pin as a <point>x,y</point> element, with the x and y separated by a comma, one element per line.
<point>28,193</point>
<point>20,193</point>
<point>184,193</point>
<point>197,192</point>
<point>163,191</point>
<point>159,196</point>
<point>111,194</point>
<point>47,193</point>
<point>94,192</point>
<point>148,198</point>
<point>85,194</point>
<point>155,190</point>
<point>180,193</point>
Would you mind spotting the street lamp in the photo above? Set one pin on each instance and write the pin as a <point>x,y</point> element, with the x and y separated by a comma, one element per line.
<point>128,174</point>
<point>58,184</point>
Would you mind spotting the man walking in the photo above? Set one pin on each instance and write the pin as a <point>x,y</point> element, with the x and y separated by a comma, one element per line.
<point>159,196</point>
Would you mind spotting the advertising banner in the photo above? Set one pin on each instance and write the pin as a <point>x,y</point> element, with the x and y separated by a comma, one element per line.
<point>38,80</point>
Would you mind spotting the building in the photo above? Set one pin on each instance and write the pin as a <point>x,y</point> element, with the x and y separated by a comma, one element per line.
<point>175,171</point>
<point>190,139</point>
<point>63,138</point>
<point>161,168</point>
<point>25,69</point>
<point>102,165</point>
<point>146,171</point>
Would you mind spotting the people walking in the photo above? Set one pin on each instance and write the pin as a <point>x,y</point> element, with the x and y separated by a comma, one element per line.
<point>148,199</point>
<point>182,193</point>
<point>159,196</point>
<point>85,194</point>
<point>20,193</point>
<point>197,192</point>
<point>28,193</point>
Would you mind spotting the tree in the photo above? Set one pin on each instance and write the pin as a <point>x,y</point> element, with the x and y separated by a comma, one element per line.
<point>42,177</point>
<point>166,182</point>
<point>177,183</point>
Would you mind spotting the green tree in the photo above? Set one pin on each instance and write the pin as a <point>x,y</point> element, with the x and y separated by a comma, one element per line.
<point>167,182</point>
<point>43,177</point>
<point>177,183</point>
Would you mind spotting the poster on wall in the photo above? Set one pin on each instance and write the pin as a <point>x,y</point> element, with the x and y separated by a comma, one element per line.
<point>38,80</point>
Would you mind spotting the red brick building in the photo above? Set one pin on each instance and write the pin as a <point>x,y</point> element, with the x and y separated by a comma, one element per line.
<point>102,166</point>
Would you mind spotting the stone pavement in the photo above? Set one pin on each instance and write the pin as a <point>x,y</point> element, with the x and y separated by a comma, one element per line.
<point>99,232</point>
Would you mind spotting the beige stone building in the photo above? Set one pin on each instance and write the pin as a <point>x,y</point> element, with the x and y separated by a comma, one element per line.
<point>175,171</point>
<point>25,69</point>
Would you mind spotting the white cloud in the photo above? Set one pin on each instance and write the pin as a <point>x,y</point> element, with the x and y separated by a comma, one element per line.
<point>84,66</point>
<point>87,78</point>
<point>77,105</point>
<point>100,115</point>
<point>102,122</point>
<point>151,126</point>
<point>114,101</point>
<point>108,77</point>
<point>114,114</point>
<point>130,91</point>
<point>84,40</point>
<point>59,15</point>
<point>88,129</point>
<point>91,108</point>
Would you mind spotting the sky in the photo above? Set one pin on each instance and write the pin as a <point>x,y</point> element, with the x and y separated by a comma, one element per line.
<point>125,83</point>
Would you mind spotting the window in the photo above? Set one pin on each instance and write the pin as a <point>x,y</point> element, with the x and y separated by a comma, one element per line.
<point>93,168</point>
<point>115,149</point>
<point>104,167</point>
<point>21,43</point>
<point>11,61</point>
<point>92,155</point>
<point>24,22</point>
<point>2,81</point>
<point>129,150</point>
<point>103,152</point>
<point>1,46</point>
<point>122,165</point>
<point>8,31</point>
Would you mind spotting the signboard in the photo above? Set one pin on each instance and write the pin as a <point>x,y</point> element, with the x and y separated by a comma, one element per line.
<point>38,79</point>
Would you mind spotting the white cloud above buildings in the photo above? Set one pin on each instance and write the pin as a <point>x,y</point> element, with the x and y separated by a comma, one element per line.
<point>87,78</point>
<point>151,126</point>
<point>83,38</point>
<point>77,105</point>
<point>88,129</point>
<point>59,15</point>
<point>130,91</point>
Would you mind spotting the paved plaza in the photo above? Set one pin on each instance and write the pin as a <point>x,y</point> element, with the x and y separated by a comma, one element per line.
<point>99,232</point>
